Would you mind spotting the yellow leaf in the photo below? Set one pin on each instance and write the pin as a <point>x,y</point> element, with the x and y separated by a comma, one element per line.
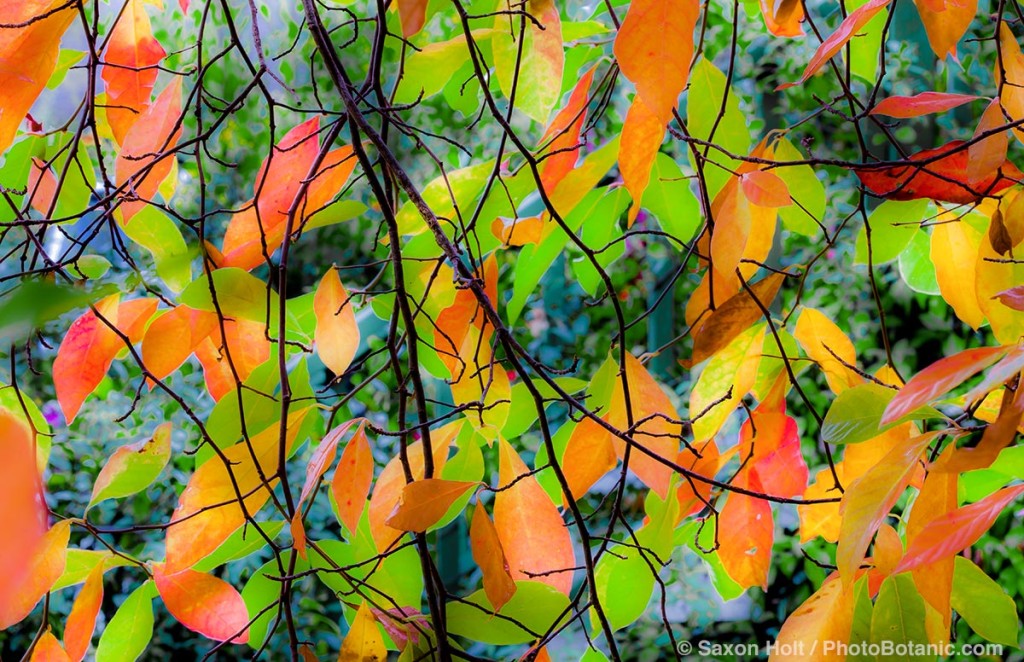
<point>337,334</point>
<point>954,252</point>
<point>829,347</point>
<point>364,642</point>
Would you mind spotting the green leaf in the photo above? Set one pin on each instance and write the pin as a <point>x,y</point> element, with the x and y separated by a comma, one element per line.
<point>860,632</point>
<point>865,49</point>
<point>20,405</point>
<point>32,303</point>
<point>984,604</point>
<point>239,294</point>
<point>133,467</point>
<point>899,616</point>
<point>522,412</point>
<point>80,562</point>
<point>128,633</point>
<point>91,266</point>
<point>243,542</point>
<point>157,233</point>
<point>916,266</point>
<point>699,535</point>
<point>704,103</point>
<point>260,592</point>
<point>806,190</point>
<point>856,414</point>
<point>398,576</point>
<point>598,233</point>
<point>625,582</point>
<point>537,606</point>
<point>1009,466</point>
<point>668,196</point>
<point>428,70</point>
<point>893,224</point>
<point>339,212</point>
<point>65,60</point>
<point>463,185</point>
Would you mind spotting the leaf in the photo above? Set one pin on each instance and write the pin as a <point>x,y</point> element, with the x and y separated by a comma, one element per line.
<point>23,512</point>
<point>954,252</point>
<point>868,500</point>
<point>855,416</point>
<point>146,159</point>
<point>535,65</point>
<point>821,519</point>
<point>424,502</point>
<point>363,643</point>
<point>82,620</point>
<point>805,190</point>
<point>642,134</point>
<point>561,140</point>
<point>938,496</point>
<point>828,346</point>
<point>984,604</point>
<point>826,616</point>
<point>946,27</point>
<point>625,582</point>
<point>765,189</point>
<point>894,223</point>
<point>352,479</point>
<point>956,531</point>
<point>783,18</point>
<point>532,533</point>
<point>337,334</point>
<point>669,198</point>
<point>128,633</point>
<point>239,294</point>
<point>84,356</point>
<point>713,113</point>
<point>920,104</point>
<point>204,604</point>
<point>413,14</point>
<point>589,455</point>
<point>848,29</point>
<point>734,317</point>
<point>318,465</point>
<point>940,378</point>
<point>29,53</point>
<point>499,587</point>
<point>130,68</point>
<point>48,649</point>
<point>746,552</point>
<point>985,156</point>
<point>535,607</point>
<point>173,337</point>
<point>133,467</point>
<point>209,510</point>
<point>724,381</point>
<point>1009,76</point>
<point>229,358</point>
<point>26,583</point>
<point>899,616</point>
<point>941,175</point>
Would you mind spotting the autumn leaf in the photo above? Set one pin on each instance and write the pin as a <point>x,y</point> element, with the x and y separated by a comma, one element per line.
<point>130,70</point>
<point>229,358</point>
<point>1012,298</point>
<point>413,14</point>
<point>490,557</point>
<point>986,155</point>
<point>363,643</point>
<point>536,66</point>
<point>783,17</point>
<point>26,583</point>
<point>133,467</point>
<point>82,619</point>
<point>85,355</point>
<point>945,27</point>
<point>765,189</point>
<point>173,337</point>
<point>589,455</point>
<point>48,649</point>
<point>424,502</point>
<point>352,479</point>
<point>735,316</point>
<point>925,103</point>
<point>827,345</point>
<point>746,551</point>
<point>562,137</point>
<point>204,604</point>
<point>337,334</point>
<point>1009,76</point>
<point>825,617</point>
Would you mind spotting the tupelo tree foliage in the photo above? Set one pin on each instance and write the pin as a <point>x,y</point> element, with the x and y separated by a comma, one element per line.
<point>567,131</point>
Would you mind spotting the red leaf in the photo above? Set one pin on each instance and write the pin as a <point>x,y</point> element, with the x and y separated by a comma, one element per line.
<point>413,13</point>
<point>940,378</point>
<point>941,176</point>
<point>921,104</point>
<point>952,533</point>
<point>204,604</point>
<point>82,619</point>
<point>84,356</point>
<point>490,556</point>
<point>747,550</point>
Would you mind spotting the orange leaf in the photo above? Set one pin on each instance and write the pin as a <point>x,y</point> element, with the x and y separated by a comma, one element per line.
<point>956,531</point>
<point>173,337</point>
<point>337,334</point>
<point>533,535</point>
<point>954,252</point>
<point>230,358</point>
<point>734,317</point>
<point>920,104</point>
<point>490,556</point>
<point>997,436</point>
<point>774,451</point>
<point>562,137</point>
<point>317,467</point>
<point>589,455</point>
<point>746,550</point>
<point>765,189</point>
<point>941,176</point>
<point>947,25</point>
<point>985,156</point>
<point>849,28</point>
<point>145,159</point>
<point>828,346</point>
<point>209,510</point>
<point>130,68</point>
<point>413,13</point>
<point>1011,66</point>
<point>84,356</point>
<point>888,549</point>
<point>352,478</point>
<point>940,378</point>
<point>82,619</point>
<point>424,502</point>
<point>938,497</point>
<point>824,618</point>
<point>392,481</point>
<point>48,649</point>
<point>783,17</point>
<point>42,186</point>
<point>694,495</point>
<point>642,133</point>
<point>22,586</point>
<point>29,53</point>
<point>868,500</point>
<point>204,604</point>
<point>331,176</point>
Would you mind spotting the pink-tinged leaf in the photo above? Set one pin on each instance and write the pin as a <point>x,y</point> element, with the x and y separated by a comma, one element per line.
<point>317,467</point>
<point>204,604</point>
<point>424,502</point>
<point>130,72</point>
<point>868,500</point>
<point>824,618</point>
<point>402,625</point>
<point>532,533</point>
<point>778,462</point>
<point>133,467</point>
<point>145,159</point>
<point>84,356</point>
<point>940,378</point>
<point>746,551</point>
<point>956,531</point>
<point>924,103</point>
<point>82,620</point>
<point>848,29</point>
<point>561,140</point>
<point>337,334</point>
<point>985,156</point>
<point>48,649</point>
<point>29,48</point>
<point>490,557</point>
<point>413,14</point>
<point>765,189</point>
<point>42,186</point>
<point>352,479</point>
<point>391,481</point>
<point>184,5</point>
<point>22,586</point>
<point>1012,298</point>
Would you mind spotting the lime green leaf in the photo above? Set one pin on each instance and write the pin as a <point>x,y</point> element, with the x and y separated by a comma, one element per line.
<point>536,605</point>
<point>856,414</point>
<point>893,224</point>
<point>157,233</point>
<point>704,102</point>
<point>984,604</point>
<point>806,190</point>
<point>126,636</point>
<point>242,543</point>
<point>239,294</point>
<point>133,467</point>
<point>898,616</point>
<point>625,582</point>
<point>669,198</point>
<point>916,266</point>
